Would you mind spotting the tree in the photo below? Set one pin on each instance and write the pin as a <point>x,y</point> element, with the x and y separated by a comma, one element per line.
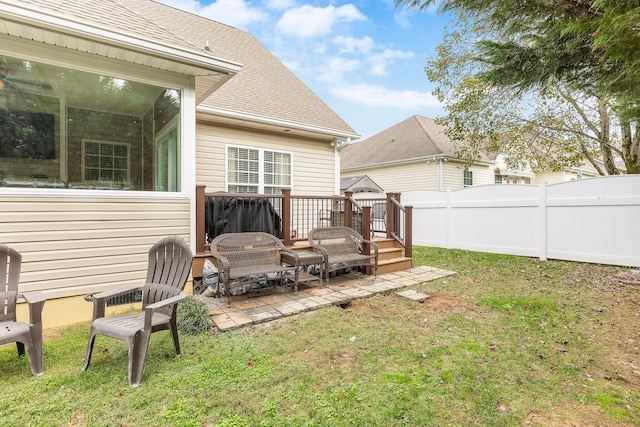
<point>590,42</point>
<point>533,79</point>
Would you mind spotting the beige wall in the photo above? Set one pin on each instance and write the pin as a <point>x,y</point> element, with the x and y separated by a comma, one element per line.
<point>313,161</point>
<point>398,178</point>
<point>554,177</point>
<point>424,175</point>
<point>78,245</point>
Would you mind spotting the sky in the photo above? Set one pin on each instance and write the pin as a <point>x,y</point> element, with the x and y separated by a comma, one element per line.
<point>364,58</point>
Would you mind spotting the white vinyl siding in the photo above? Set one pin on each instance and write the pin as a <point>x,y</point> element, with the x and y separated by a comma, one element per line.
<point>78,245</point>
<point>312,167</point>
<point>429,175</point>
<point>398,178</point>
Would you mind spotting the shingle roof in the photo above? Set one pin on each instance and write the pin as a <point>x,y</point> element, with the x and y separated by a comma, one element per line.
<point>414,138</point>
<point>264,87</point>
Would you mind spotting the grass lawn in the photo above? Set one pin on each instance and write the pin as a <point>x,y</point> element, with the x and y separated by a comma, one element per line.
<point>508,341</point>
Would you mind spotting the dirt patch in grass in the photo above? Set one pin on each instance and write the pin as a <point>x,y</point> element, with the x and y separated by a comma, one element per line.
<point>607,314</point>
<point>438,304</point>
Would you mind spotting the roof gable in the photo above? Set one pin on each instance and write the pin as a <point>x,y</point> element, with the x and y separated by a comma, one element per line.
<point>264,87</point>
<point>414,138</point>
<point>359,183</point>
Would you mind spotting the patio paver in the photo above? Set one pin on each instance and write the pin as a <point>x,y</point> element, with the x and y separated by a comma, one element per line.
<point>267,304</point>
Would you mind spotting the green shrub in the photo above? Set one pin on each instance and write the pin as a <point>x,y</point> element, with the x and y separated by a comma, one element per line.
<point>193,316</point>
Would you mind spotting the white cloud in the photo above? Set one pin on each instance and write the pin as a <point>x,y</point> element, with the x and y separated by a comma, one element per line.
<point>308,21</point>
<point>236,13</point>
<point>380,96</point>
<point>334,68</point>
<point>402,19</point>
<point>380,61</point>
<point>350,44</point>
<point>280,4</point>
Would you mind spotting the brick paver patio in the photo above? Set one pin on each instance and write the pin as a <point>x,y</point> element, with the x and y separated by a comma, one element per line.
<point>271,303</point>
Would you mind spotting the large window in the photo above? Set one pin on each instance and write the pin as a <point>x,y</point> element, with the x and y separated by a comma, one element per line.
<point>64,128</point>
<point>251,170</point>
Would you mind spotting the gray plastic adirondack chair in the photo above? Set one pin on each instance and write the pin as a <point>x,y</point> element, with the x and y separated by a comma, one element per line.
<point>27,335</point>
<point>167,273</point>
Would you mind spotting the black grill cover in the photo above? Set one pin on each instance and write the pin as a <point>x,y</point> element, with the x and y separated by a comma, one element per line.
<point>237,215</point>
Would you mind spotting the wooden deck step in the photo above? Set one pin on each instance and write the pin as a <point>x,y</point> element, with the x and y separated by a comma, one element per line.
<point>395,264</point>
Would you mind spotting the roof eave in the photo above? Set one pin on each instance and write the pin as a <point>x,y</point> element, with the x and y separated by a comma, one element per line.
<point>197,64</point>
<point>277,123</point>
<point>444,157</point>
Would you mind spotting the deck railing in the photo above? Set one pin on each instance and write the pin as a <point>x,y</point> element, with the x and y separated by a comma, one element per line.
<point>391,219</point>
<point>294,216</point>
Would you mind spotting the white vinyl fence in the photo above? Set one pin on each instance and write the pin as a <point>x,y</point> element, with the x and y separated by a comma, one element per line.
<point>592,220</point>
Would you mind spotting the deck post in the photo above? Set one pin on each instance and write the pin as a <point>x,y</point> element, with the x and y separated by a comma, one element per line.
<point>286,217</point>
<point>389,215</point>
<point>393,219</point>
<point>366,233</point>
<point>408,231</point>
<point>348,210</point>
<point>200,226</point>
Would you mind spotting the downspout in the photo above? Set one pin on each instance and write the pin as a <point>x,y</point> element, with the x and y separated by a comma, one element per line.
<point>440,175</point>
<point>337,147</point>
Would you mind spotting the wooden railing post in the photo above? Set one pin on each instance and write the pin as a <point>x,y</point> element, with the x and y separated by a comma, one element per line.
<point>200,219</point>
<point>366,233</point>
<point>348,209</point>
<point>393,218</point>
<point>389,215</point>
<point>286,217</point>
<point>408,231</point>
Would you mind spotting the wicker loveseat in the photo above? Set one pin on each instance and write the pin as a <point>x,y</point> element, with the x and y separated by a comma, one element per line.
<point>342,247</point>
<point>251,257</point>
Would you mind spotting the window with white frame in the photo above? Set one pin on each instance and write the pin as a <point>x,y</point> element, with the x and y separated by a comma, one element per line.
<point>54,120</point>
<point>252,170</point>
<point>498,179</point>
<point>468,178</point>
<point>105,161</point>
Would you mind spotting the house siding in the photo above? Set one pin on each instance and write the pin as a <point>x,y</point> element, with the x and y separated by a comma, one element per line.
<point>426,175</point>
<point>313,162</point>
<point>398,178</point>
<point>77,245</point>
<point>453,175</point>
<point>554,177</point>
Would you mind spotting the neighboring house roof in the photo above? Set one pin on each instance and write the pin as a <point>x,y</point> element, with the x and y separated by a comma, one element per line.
<point>415,138</point>
<point>264,89</point>
<point>359,183</point>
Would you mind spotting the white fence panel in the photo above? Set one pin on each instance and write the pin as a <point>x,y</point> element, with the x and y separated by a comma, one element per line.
<point>594,220</point>
<point>429,217</point>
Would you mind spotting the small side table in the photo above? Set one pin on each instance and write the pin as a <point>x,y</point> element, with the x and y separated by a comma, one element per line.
<point>306,258</point>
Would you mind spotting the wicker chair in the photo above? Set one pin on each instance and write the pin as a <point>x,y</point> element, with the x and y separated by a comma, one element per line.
<point>342,248</point>
<point>27,335</point>
<point>250,257</point>
<point>167,273</point>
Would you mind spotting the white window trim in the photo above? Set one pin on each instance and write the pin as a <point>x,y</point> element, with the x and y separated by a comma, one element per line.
<point>97,141</point>
<point>464,178</point>
<point>261,173</point>
<point>62,57</point>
